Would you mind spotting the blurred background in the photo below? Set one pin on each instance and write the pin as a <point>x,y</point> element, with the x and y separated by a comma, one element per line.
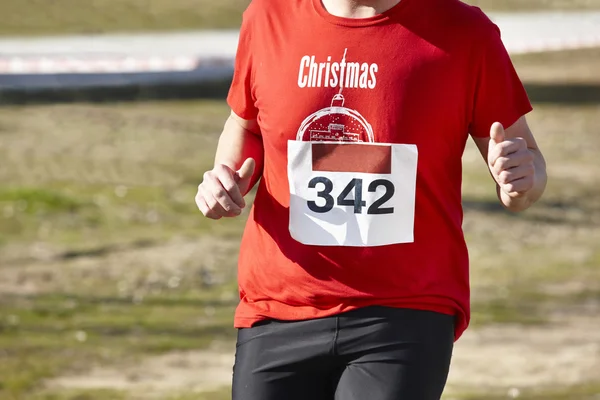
<point>112,284</point>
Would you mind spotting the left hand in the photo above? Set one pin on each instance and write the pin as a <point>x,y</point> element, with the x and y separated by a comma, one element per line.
<point>510,162</point>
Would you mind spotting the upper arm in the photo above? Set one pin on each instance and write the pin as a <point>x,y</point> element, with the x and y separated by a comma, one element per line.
<point>250,125</point>
<point>239,140</point>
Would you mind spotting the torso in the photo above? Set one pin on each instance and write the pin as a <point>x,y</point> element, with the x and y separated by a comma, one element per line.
<point>408,83</point>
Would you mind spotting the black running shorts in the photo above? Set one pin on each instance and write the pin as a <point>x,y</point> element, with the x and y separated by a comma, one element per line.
<point>374,353</point>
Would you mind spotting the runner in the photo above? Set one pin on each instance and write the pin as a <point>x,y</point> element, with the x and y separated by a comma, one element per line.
<point>353,268</point>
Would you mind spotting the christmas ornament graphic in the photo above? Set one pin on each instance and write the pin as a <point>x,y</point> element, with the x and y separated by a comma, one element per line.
<point>336,124</point>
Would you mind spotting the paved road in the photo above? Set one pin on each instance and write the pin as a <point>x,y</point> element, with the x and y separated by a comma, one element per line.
<point>121,59</point>
<point>545,31</point>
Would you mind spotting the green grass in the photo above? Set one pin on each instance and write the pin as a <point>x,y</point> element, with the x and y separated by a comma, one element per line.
<point>87,176</point>
<point>101,394</point>
<point>93,184</point>
<point>549,255</point>
<point>577,392</point>
<point>222,394</point>
<point>41,17</point>
<point>42,335</point>
<point>40,201</point>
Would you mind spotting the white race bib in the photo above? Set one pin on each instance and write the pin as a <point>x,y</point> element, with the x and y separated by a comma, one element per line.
<point>352,194</point>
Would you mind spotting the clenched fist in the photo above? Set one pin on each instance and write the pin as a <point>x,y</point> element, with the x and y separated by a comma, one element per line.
<point>221,193</point>
<point>510,162</point>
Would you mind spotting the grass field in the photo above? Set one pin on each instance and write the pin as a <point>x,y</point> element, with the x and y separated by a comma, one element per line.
<point>105,262</point>
<point>103,255</point>
<point>39,17</point>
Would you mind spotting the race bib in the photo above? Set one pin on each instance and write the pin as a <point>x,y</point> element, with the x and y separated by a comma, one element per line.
<point>352,194</point>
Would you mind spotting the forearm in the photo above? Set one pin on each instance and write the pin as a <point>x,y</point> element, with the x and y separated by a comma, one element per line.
<point>521,203</point>
<point>236,144</point>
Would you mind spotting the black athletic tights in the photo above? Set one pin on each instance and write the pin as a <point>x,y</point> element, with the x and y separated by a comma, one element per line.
<point>374,353</point>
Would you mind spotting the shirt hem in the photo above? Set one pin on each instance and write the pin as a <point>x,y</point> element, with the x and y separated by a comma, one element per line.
<point>248,320</point>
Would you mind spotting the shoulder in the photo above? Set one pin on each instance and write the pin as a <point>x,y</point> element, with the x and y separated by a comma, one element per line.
<point>455,27</point>
<point>455,16</point>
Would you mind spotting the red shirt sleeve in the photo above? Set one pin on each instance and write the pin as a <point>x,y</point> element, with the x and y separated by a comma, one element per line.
<point>499,93</point>
<point>241,97</point>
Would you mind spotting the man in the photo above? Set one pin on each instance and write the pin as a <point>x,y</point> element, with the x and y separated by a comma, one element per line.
<point>353,269</point>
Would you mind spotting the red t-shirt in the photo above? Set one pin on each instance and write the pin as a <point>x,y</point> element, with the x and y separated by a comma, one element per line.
<point>423,75</point>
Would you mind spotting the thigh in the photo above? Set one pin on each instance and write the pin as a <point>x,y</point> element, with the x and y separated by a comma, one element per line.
<point>401,356</point>
<point>283,360</point>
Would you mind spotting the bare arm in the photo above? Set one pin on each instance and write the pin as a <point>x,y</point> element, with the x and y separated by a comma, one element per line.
<point>239,141</point>
<point>516,164</point>
<point>238,166</point>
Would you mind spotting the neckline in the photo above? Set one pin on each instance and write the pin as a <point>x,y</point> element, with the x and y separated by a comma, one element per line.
<point>358,22</point>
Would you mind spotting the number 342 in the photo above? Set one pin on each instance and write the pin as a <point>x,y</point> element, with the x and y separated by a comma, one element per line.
<point>358,203</point>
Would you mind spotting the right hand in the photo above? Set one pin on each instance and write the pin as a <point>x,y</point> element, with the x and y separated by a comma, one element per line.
<point>221,193</point>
